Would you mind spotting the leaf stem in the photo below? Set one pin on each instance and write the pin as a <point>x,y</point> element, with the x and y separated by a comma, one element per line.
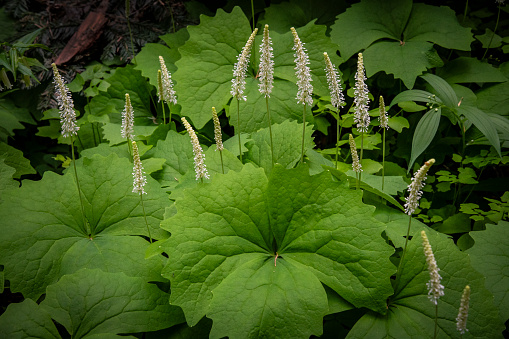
<point>145,216</point>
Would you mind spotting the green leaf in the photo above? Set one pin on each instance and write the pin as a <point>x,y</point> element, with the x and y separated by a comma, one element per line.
<point>443,89</point>
<point>112,132</point>
<point>221,240</point>
<point>424,133</point>
<point>410,106</point>
<point>12,117</point>
<point>489,256</point>
<point>466,70</point>
<point>410,312</point>
<point>6,174</point>
<point>398,123</point>
<point>91,302</point>
<point>287,139</point>
<point>458,223</point>
<point>467,176</point>
<point>494,99</point>
<point>14,158</point>
<point>50,239</point>
<point>489,39</point>
<point>413,95</point>
<point>27,320</point>
<point>482,121</point>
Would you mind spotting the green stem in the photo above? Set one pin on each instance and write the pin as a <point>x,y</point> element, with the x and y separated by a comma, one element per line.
<point>169,114</point>
<point>303,134</point>
<point>130,149</point>
<point>270,131</point>
<point>383,161</point>
<point>362,152</point>
<point>238,128</point>
<point>164,113</point>
<point>337,138</point>
<point>436,321</point>
<point>172,20</point>
<point>253,16</point>
<point>494,31</point>
<point>85,223</point>
<point>399,272</point>
<point>145,216</point>
<point>93,133</point>
<point>127,13</point>
<point>465,13</point>
<point>221,155</point>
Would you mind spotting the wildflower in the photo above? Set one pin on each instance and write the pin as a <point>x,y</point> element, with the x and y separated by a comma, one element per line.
<point>383,118</point>
<point>266,64</point>
<point>461,320</point>
<point>240,68</point>
<point>414,189</point>
<point>139,176</point>
<point>356,166</point>
<point>66,105</point>
<point>217,131</point>
<point>199,157</point>
<point>435,289</point>
<point>302,71</point>
<point>127,119</point>
<point>361,99</point>
<point>335,83</point>
<point>168,94</point>
<point>500,2</point>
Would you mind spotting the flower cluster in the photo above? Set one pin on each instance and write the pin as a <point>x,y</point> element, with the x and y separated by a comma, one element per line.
<point>361,98</point>
<point>414,189</point>
<point>435,289</point>
<point>356,165</point>
<point>199,157</point>
<point>65,105</point>
<point>139,176</point>
<point>240,69</point>
<point>383,118</point>
<point>335,83</point>
<point>217,131</point>
<point>166,91</point>
<point>127,130</point>
<point>461,320</point>
<point>302,71</point>
<point>266,64</point>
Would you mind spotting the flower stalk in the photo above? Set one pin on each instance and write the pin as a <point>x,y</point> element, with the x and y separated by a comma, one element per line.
<point>127,128</point>
<point>166,92</point>
<point>356,165</point>
<point>267,78</point>
<point>361,102</point>
<point>217,136</point>
<point>199,157</point>
<point>139,181</point>
<point>384,124</point>
<point>461,319</point>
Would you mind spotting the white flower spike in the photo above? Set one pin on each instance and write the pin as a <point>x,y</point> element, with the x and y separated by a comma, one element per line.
<point>435,289</point>
<point>383,118</point>
<point>335,83</point>
<point>240,69</point>
<point>139,178</point>
<point>199,157</point>
<point>302,71</point>
<point>217,131</point>
<point>461,320</point>
<point>361,98</point>
<point>127,129</point>
<point>168,94</point>
<point>356,166</point>
<point>65,105</point>
<point>414,189</point>
<point>266,64</point>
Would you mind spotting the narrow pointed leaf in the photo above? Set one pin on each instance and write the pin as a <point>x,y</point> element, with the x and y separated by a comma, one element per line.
<point>424,133</point>
<point>483,122</point>
<point>443,89</point>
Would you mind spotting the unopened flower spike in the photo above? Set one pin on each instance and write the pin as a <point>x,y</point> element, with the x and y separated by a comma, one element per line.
<point>361,98</point>
<point>65,104</point>
<point>139,178</point>
<point>335,83</point>
<point>461,320</point>
<point>266,64</point>
<point>199,157</point>
<point>240,69</point>
<point>127,130</point>
<point>169,95</point>
<point>217,131</point>
<point>383,118</point>
<point>160,85</point>
<point>356,166</point>
<point>302,71</point>
<point>435,289</point>
<point>414,189</point>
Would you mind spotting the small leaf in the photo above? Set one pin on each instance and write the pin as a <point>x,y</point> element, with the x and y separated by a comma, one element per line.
<point>482,121</point>
<point>443,89</point>
<point>489,39</point>
<point>424,133</point>
<point>398,123</point>
<point>14,158</point>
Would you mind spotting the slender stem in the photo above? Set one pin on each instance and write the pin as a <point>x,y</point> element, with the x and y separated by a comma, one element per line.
<point>436,321</point>
<point>383,161</point>
<point>172,20</point>
<point>221,155</point>
<point>164,113</point>
<point>130,149</point>
<point>465,12</point>
<point>253,17</point>
<point>270,130</point>
<point>303,134</point>
<point>358,183</point>
<point>362,152</point>
<point>494,31</point>
<point>169,114</point>
<point>127,12</point>
<point>145,216</point>
<point>81,143</point>
<point>400,266</point>
<point>85,223</point>
<point>337,138</point>
<point>238,129</point>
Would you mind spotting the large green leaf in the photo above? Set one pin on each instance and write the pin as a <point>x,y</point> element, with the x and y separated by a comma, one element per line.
<point>465,70</point>
<point>225,237</point>
<point>412,28</point>
<point>15,159</point>
<point>6,180</point>
<point>12,117</point>
<point>91,302</point>
<point>494,99</point>
<point>483,122</point>
<point>410,313</point>
<point>489,256</point>
<point>49,238</point>
<point>424,133</point>
<point>27,320</point>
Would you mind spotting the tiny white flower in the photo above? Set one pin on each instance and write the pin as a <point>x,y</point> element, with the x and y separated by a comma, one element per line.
<point>65,104</point>
<point>461,320</point>
<point>240,69</point>
<point>138,175</point>
<point>356,166</point>
<point>435,289</point>
<point>199,157</point>
<point>383,118</point>
<point>414,189</point>
<point>335,83</point>
<point>361,98</point>
<point>127,129</point>
<point>302,71</point>
<point>168,93</point>
<point>217,131</point>
<point>266,64</point>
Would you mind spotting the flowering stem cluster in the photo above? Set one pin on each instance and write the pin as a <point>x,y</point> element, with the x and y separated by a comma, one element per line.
<point>139,181</point>
<point>267,78</point>
<point>199,157</point>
